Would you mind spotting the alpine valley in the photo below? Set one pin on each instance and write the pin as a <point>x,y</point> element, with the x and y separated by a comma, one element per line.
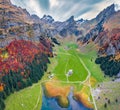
<point>59,65</point>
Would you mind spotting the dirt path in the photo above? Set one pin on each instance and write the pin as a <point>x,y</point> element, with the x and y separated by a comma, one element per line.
<point>88,78</point>
<point>39,97</point>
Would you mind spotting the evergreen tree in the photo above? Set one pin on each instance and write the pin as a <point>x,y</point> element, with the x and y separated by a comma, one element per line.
<point>105,105</point>
<point>2,104</point>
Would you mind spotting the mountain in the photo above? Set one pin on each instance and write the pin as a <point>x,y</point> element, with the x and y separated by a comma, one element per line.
<point>106,13</point>
<point>104,30</point>
<point>80,21</point>
<point>92,27</point>
<point>58,28</point>
<point>109,39</point>
<point>17,23</point>
<point>67,27</point>
<point>83,29</point>
<point>12,15</point>
<point>35,18</point>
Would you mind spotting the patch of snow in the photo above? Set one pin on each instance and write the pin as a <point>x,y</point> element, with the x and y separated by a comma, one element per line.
<point>117,6</point>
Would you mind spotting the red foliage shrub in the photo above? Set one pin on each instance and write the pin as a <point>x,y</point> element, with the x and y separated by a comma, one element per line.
<point>21,52</point>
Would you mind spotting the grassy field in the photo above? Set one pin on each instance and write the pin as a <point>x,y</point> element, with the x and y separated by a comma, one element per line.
<point>66,61</point>
<point>109,91</point>
<point>25,99</point>
<point>67,58</point>
<point>89,60</point>
<point>88,56</point>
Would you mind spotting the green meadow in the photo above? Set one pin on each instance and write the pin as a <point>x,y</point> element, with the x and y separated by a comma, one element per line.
<point>26,99</point>
<point>67,57</point>
<point>66,61</point>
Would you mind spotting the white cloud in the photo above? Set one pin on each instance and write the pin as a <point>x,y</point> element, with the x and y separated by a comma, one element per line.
<point>54,3</point>
<point>97,8</point>
<point>34,7</point>
<point>63,9</point>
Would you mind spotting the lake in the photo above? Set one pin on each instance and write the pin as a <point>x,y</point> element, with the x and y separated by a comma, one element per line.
<point>51,103</point>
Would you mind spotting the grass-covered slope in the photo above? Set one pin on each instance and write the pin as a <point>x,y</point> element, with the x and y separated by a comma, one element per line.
<point>26,99</point>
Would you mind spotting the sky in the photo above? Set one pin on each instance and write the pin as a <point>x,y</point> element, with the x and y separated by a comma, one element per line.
<point>61,10</point>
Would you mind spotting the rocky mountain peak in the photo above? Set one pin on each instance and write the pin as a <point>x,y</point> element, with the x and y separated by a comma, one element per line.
<point>106,12</point>
<point>47,18</point>
<point>71,19</point>
<point>35,16</point>
<point>80,21</point>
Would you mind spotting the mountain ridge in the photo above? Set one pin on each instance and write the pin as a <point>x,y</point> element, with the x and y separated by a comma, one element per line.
<point>19,24</point>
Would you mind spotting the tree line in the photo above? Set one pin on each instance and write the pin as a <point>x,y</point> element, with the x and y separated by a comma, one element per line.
<point>109,65</point>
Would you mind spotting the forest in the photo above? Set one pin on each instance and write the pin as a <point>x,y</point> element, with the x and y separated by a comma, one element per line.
<point>22,63</point>
<point>109,65</point>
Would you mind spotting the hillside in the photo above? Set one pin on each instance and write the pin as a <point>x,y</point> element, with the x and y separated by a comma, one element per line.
<point>23,59</point>
<point>104,31</point>
<point>16,23</point>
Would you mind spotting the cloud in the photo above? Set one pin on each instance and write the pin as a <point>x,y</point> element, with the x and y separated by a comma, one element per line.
<point>98,7</point>
<point>63,9</point>
<point>44,4</point>
<point>54,3</point>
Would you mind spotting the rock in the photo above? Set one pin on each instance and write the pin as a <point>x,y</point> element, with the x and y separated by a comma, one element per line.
<point>110,50</point>
<point>47,18</point>
<point>2,36</point>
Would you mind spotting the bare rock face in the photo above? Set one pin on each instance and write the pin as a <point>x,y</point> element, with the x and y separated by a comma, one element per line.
<point>110,50</point>
<point>105,31</point>
<point>5,2</point>
<point>13,21</point>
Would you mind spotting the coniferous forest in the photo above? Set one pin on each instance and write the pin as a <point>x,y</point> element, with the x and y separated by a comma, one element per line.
<point>109,65</point>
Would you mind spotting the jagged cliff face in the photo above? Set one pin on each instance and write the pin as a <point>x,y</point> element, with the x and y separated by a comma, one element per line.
<point>11,14</point>
<point>15,23</point>
<point>112,22</point>
<point>104,30</point>
<point>93,27</point>
<point>109,39</point>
